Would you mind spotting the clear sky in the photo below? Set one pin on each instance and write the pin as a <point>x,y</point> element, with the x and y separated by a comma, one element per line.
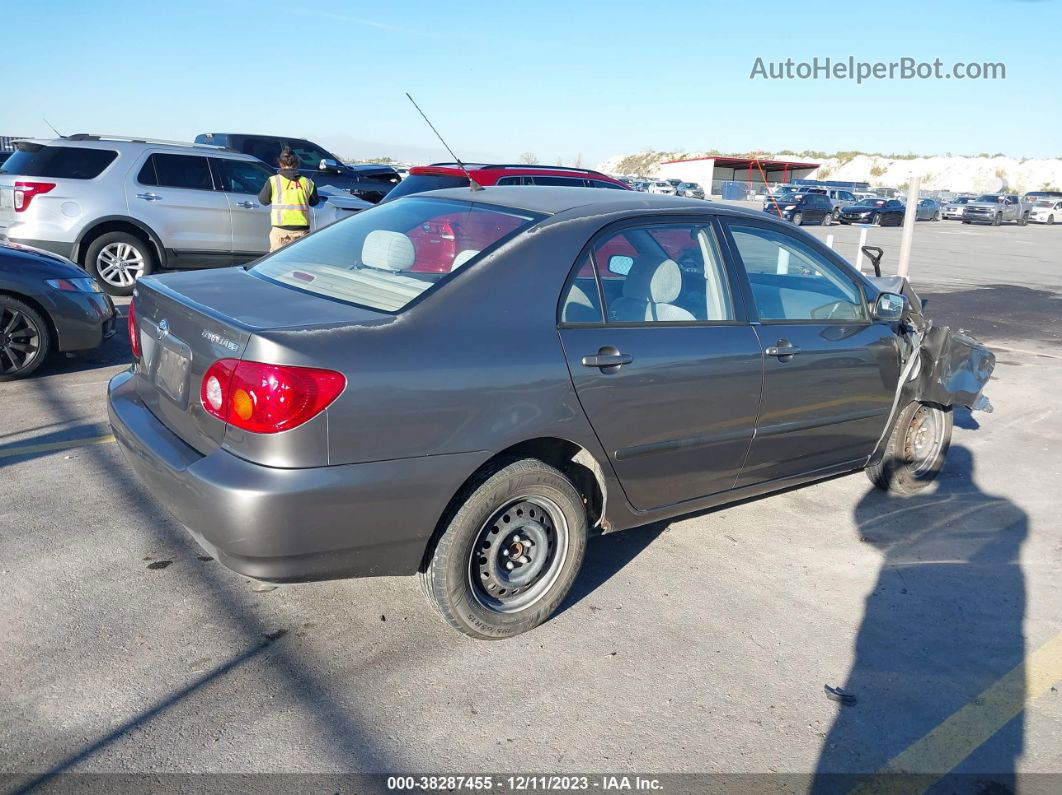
<point>560,79</point>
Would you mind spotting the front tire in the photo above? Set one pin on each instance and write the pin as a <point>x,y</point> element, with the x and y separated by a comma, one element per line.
<point>25,341</point>
<point>1023,220</point>
<point>1050,220</point>
<point>915,451</point>
<point>798,219</point>
<point>875,220</point>
<point>997,220</point>
<point>511,552</point>
<point>117,260</point>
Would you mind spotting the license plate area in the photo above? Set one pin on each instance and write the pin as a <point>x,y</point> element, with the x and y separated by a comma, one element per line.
<point>173,361</point>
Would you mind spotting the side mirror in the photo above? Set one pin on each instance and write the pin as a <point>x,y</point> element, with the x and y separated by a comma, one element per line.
<point>890,307</point>
<point>620,264</point>
<point>328,164</point>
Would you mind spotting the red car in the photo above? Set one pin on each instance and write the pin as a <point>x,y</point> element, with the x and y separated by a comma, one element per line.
<point>450,175</point>
<point>439,243</point>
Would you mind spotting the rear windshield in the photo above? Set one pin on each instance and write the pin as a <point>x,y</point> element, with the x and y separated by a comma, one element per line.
<point>419,183</point>
<point>385,257</point>
<point>58,162</point>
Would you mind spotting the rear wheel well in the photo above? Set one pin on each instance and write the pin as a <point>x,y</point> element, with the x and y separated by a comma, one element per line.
<point>53,332</point>
<point>577,464</point>
<point>115,226</point>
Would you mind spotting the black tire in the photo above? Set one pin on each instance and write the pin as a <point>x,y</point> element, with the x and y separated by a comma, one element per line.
<point>25,339</point>
<point>827,219</point>
<point>997,220</point>
<point>465,578</point>
<point>798,219</point>
<point>121,280</point>
<point>966,222</point>
<point>1023,220</point>
<point>875,220</point>
<point>1050,220</point>
<point>836,213</point>
<point>937,216</point>
<point>901,469</point>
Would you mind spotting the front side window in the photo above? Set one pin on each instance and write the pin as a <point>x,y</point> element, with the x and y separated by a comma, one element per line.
<point>241,176</point>
<point>791,281</point>
<point>58,162</point>
<point>182,171</point>
<point>310,156</point>
<point>387,256</point>
<point>651,274</point>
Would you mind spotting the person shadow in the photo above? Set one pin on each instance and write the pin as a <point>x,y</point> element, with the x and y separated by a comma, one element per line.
<point>942,623</point>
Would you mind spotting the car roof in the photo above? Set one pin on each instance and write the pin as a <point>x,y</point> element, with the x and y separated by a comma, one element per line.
<point>520,169</point>
<point>593,201</point>
<point>122,144</point>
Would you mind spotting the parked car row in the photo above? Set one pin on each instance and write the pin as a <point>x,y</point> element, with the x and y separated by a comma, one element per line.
<point>124,208</point>
<point>667,187</point>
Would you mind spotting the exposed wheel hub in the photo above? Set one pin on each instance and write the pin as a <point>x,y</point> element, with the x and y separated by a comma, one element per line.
<point>515,555</point>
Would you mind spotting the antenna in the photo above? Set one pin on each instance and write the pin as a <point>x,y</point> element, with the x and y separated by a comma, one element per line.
<point>53,129</point>
<point>471,182</point>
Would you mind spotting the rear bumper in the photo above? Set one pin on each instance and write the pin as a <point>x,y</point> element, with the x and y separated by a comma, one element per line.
<point>290,525</point>
<point>83,320</point>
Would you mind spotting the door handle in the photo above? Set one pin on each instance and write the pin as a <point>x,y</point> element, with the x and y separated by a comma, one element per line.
<point>609,359</point>
<point>248,205</point>
<point>784,350</point>
<point>149,197</point>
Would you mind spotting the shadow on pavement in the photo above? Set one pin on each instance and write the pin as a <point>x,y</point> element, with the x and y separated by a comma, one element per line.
<point>943,622</point>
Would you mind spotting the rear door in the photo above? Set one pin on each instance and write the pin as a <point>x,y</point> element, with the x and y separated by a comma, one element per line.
<point>175,195</point>
<point>665,364</point>
<point>830,374</point>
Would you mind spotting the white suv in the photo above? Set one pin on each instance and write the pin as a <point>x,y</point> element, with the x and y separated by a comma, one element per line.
<point>123,208</point>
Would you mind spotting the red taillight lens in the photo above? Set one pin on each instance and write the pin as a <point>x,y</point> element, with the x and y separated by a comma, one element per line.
<point>267,398</point>
<point>25,191</point>
<point>134,332</point>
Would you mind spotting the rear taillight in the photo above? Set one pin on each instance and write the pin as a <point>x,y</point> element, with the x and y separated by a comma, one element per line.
<point>134,332</point>
<point>267,398</point>
<point>25,191</point>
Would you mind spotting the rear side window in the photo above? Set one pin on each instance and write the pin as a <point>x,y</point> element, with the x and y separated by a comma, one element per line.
<point>58,162</point>
<point>418,183</point>
<point>598,183</point>
<point>265,150</point>
<point>567,182</point>
<point>179,171</point>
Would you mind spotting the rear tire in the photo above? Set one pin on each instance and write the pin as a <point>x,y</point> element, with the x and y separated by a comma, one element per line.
<point>915,451</point>
<point>827,219</point>
<point>117,260</point>
<point>527,513</point>
<point>25,339</point>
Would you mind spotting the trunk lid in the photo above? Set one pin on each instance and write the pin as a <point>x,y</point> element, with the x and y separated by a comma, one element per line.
<point>187,321</point>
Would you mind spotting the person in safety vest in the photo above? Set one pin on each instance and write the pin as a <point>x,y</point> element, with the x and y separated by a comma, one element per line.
<point>291,196</point>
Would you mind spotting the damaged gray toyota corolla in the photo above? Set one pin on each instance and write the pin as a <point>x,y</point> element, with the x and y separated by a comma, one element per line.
<point>464,385</point>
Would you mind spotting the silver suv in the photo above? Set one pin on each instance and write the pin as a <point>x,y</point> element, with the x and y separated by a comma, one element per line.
<point>123,208</point>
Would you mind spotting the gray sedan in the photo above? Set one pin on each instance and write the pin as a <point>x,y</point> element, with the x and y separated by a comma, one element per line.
<point>464,385</point>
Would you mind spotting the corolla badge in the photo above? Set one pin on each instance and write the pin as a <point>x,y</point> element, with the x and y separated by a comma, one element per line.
<point>217,339</point>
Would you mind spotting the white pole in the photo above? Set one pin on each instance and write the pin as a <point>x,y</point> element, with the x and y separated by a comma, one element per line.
<point>859,248</point>
<point>903,268</point>
<point>783,261</point>
<point>829,241</point>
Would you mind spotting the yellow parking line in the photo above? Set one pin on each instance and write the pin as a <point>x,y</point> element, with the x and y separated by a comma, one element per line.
<point>943,748</point>
<point>50,447</point>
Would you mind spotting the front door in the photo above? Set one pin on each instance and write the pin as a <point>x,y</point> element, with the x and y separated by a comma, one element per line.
<point>669,371</point>
<point>830,374</point>
<point>241,180</point>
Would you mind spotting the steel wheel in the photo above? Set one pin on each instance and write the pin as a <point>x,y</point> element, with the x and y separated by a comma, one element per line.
<point>518,554</point>
<point>20,340</point>
<point>119,264</point>
<point>924,440</point>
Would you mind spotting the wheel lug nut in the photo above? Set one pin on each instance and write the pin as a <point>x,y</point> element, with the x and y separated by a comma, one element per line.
<point>505,553</point>
<point>516,539</point>
<point>509,565</point>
